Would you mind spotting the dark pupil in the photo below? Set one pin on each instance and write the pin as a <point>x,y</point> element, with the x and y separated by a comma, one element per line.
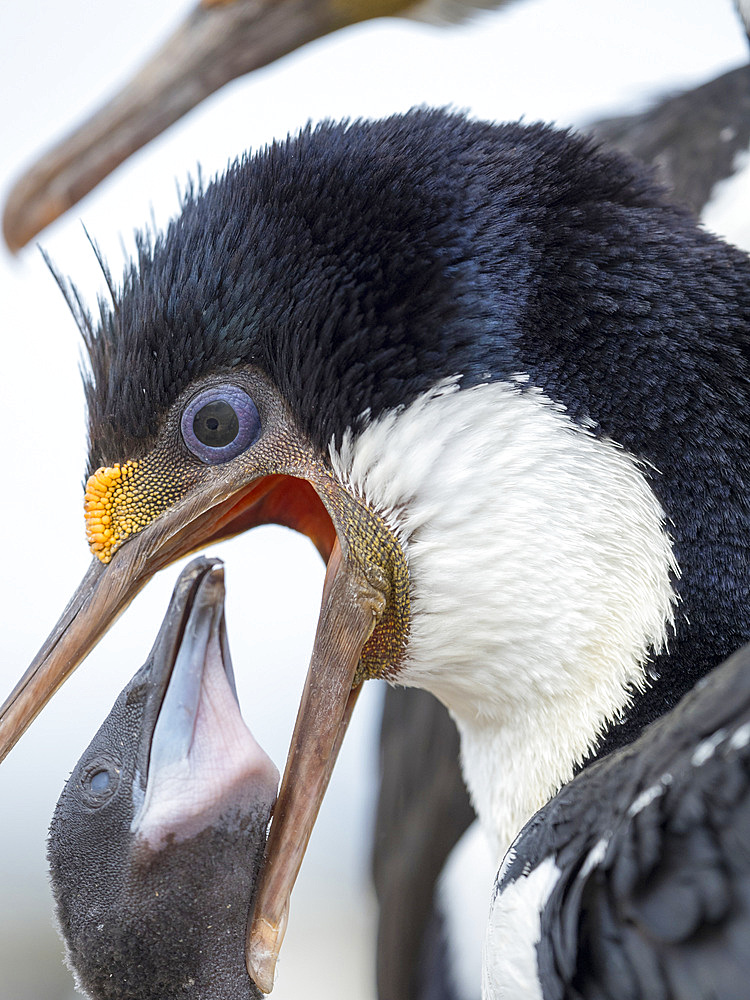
<point>216,424</point>
<point>99,781</point>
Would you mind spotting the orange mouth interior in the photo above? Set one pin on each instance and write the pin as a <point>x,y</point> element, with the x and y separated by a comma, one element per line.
<point>284,500</point>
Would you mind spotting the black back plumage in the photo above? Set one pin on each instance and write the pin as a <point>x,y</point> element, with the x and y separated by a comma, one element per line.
<point>653,895</point>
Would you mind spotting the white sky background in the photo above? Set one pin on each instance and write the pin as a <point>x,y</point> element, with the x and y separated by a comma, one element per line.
<point>561,60</point>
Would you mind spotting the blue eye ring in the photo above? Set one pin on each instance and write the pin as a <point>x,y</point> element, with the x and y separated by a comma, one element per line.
<point>220,423</point>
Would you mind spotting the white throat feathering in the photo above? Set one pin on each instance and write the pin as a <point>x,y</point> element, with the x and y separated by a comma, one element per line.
<point>541,578</point>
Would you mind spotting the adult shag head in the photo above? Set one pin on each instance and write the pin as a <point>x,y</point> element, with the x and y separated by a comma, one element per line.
<point>157,839</point>
<point>501,383</point>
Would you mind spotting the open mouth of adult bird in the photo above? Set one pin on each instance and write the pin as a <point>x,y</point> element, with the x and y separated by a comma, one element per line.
<point>201,761</point>
<point>360,633</point>
<point>107,589</point>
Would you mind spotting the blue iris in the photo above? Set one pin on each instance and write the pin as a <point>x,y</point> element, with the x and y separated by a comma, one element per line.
<point>220,423</point>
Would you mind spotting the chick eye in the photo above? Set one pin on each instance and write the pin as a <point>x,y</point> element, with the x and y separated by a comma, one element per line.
<point>220,423</point>
<point>100,781</point>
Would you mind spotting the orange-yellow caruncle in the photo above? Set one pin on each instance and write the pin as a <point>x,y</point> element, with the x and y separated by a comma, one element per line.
<point>119,502</point>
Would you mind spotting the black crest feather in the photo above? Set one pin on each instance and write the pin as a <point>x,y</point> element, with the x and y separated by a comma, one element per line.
<point>355,263</point>
<point>359,263</point>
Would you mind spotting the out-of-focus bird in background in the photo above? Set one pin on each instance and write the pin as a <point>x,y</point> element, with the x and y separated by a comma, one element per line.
<point>219,41</point>
<point>692,137</point>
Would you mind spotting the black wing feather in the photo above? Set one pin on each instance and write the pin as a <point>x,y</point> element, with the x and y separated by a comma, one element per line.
<point>653,848</point>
